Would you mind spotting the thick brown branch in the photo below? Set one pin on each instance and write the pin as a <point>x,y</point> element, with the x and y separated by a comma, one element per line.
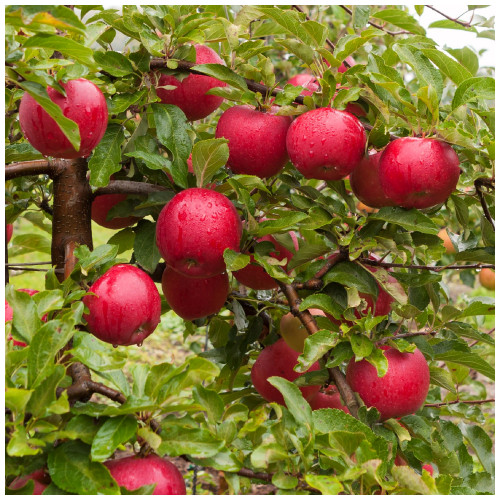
<point>128,187</point>
<point>462,23</point>
<point>456,401</point>
<point>34,167</point>
<point>96,387</point>
<point>378,26</point>
<point>478,183</point>
<point>386,265</point>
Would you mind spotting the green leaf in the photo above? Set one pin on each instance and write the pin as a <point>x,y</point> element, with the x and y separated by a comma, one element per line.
<point>21,152</point>
<point>481,442</point>
<point>286,222</point>
<point>466,57</point>
<point>66,46</point>
<point>71,468</point>
<point>145,250</point>
<point>235,260</point>
<point>121,102</point>
<point>315,347</point>
<point>17,399</point>
<point>412,220</point>
<point>83,427</point>
<point>172,131</point>
<point>179,440</point>
<point>412,482</point>
<point>114,63</point>
<point>45,393</point>
<point>153,161</point>
<point>26,243</point>
<point>469,359</point>
<point>97,258</point>
<point>268,453</point>
<point>210,401</point>
<point>352,275</point>
<point>469,332</point>
<point>361,346</point>
<point>323,302</point>
<point>484,255</point>
<point>107,156</point>
<point>361,15</point>
<point>25,317</point>
<point>453,70</point>
<point>112,433</point>
<point>401,19</point>
<point>222,73</point>
<point>208,157</point>
<point>442,378</point>
<point>294,400</point>
<point>379,361</point>
<point>472,89</point>
<point>284,481</point>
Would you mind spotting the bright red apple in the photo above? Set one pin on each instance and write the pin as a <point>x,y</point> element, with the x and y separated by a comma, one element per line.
<point>254,276</point>
<point>39,477</point>
<point>193,298</point>
<point>365,182</point>
<point>326,143</point>
<point>190,94</point>
<point>133,472</point>
<point>84,103</point>
<point>278,360</point>
<point>193,230</point>
<point>9,229</point>
<point>126,306</point>
<point>418,172</point>
<point>328,398</point>
<point>401,391</point>
<point>257,140</point>
<point>103,204</point>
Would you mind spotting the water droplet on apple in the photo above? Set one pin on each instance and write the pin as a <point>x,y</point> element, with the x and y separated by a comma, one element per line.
<point>115,345</point>
<point>139,344</point>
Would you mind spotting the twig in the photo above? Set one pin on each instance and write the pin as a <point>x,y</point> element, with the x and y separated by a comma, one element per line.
<point>474,402</point>
<point>378,26</point>
<point>478,183</point>
<point>128,187</point>
<point>462,23</point>
<point>22,268</point>
<point>428,268</point>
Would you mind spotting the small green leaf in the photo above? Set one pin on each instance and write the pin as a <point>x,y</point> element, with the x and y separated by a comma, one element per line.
<point>114,63</point>
<point>323,302</point>
<point>178,440</point>
<point>328,485</point>
<point>294,400</point>
<point>224,74</point>
<point>145,250</point>
<point>235,260</point>
<point>412,220</point>
<point>208,157</point>
<point>112,433</point>
<point>210,401</point>
<point>472,89</point>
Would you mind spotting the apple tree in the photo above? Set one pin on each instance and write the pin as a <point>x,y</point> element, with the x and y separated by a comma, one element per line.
<point>313,188</point>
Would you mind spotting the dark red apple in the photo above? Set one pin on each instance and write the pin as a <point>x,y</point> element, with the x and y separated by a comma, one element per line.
<point>193,230</point>
<point>254,276</point>
<point>39,477</point>
<point>401,391</point>
<point>133,472</point>
<point>326,143</point>
<point>84,103</point>
<point>365,182</point>
<point>9,229</point>
<point>193,298</point>
<point>418,173</point>
<point>190,94</point>
<point>328,398</point>
<point>103,204</point>
<point>126,306</point>
<point>278,360</point>
<point>257,140</point>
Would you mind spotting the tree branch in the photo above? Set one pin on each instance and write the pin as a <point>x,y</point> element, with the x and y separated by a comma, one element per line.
<point>128,187</point>
<point>462,23</point>
<point>375,263</point>
<point>34,167</point>
<point>378,26</point>
<point>491,185</point>
<point>472,402</point>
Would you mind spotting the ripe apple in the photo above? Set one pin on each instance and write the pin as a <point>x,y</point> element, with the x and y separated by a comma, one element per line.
<point>448,245</point>
<point>257,140</point>
<point>326,143</point>
<point>133,472</point>
<point>293,331</point>
<point>418,172</point>
<point>9,229</point>
<point>278,360</point>
<point>39,477</point>
<point>190,94</point>
<point>103,204</point>
<point>193,298</point>
<point>254,276</point>
<point>193,230</point>
<point>487,278</point>
<point>126,306</point>
<point>365,182</point>
<point>328,398</point>
<point>84,103</point>
<point>401,391</point>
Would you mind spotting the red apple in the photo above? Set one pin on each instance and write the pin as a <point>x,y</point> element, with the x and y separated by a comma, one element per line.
<point>365,182</point>
<point>39,477</point>
<point>190,94</point>
<point>126,306</point>
<point>418,173</point>
<point>328,398</point>
<point>254,276</point>
<point>257,140</point>
<point>193,230</point>
<point>401,391</point>
<point>103,204</point>
<point>9,229</point>
<point>487,278</point>
<point>84,103</point>
<point>326,143</point>
<point>278,360</point>
<point>193,298</point>
<point>133,472</point>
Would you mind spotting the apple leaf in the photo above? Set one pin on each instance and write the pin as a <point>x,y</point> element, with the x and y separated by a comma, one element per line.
<point>235,260</point>
<point>401,19</point>
<point>112,433</point>
<point>268,453</point>
<point>472,89</point>
<point>412,220</point>
<point>208,157</point>
<point>17,399</point>
<point>222,73</point>
<point>210,402</point>
<point>71,468</point>
<point>453,70</point>
<point>44,394</point>
<point>442,378</point>
<point>21,152</point>
<point>178,440</point>
<point>223,460</point>
<point>114,63</point>
<point>485,255</point>
<point>145,250</point>
<point>412,482</point>
<point>286,221</point>
<point>466,57</point>
<point>315,347</point>
<point>351,274</point>
<point>471,360</point>
<point>361,346</point>
<point>153,161</point>
<point>25,321</point>
<point>481,442</point>
<point>323,302</point>
<point>469,332</point>
<point>31,242</point>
